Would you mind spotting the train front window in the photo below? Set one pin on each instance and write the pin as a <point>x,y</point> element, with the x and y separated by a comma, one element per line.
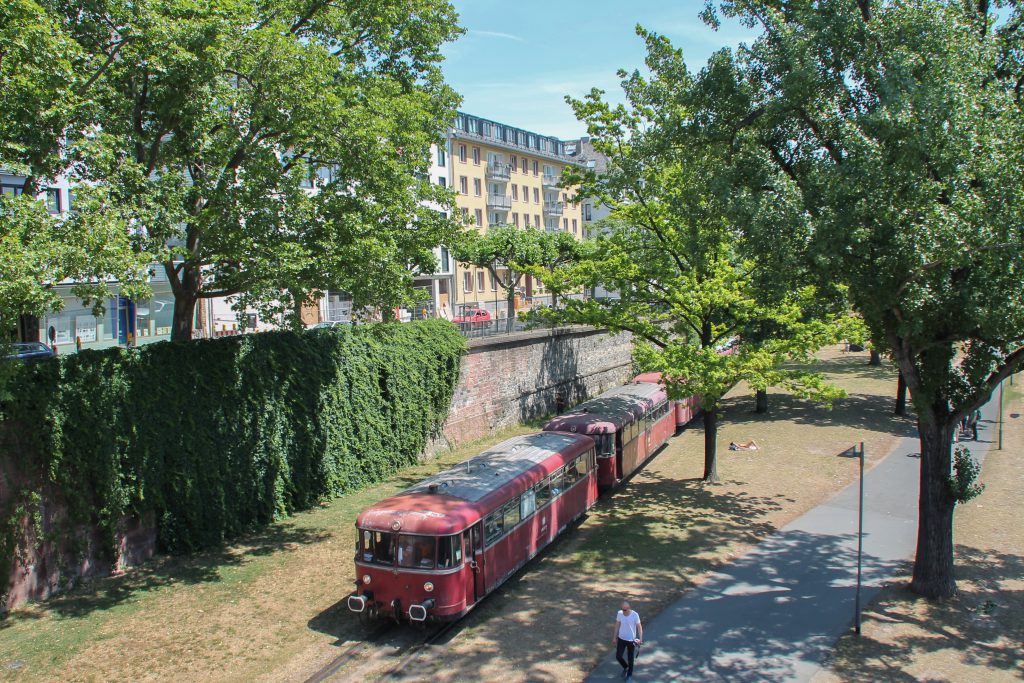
<point>377,547</point>
<point>449,551</point>
<point>416,551</point>
<point>606,444</point>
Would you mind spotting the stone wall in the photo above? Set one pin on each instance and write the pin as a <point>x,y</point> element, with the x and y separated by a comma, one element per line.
<point>517,378</point>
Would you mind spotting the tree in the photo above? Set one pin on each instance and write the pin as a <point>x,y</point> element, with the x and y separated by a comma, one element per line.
<point>557,249</point>
<point>898,127</point>
<point>506,251</point>
<point>218,119</point>
<point>674,250</point>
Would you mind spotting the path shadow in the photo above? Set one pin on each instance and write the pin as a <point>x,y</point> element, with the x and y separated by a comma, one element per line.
<point>164,571</point>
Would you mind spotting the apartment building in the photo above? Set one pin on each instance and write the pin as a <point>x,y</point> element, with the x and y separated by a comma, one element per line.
<point>505,175</point>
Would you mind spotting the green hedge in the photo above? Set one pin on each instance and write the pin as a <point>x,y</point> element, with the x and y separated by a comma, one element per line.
<point>218,437</point>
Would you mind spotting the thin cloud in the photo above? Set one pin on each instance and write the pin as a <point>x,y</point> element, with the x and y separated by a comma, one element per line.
<point>498,34</point>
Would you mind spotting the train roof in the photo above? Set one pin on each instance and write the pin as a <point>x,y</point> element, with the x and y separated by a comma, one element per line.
<point>611,410</point>
<point>451,500</point>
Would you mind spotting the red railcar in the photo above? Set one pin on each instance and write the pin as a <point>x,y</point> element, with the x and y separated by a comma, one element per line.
<point>685,409</point>
<point>434,550</point>
<point>629,423</point>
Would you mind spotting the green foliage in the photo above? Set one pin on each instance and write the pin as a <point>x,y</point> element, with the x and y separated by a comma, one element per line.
<point>676,248</point>
<point>963,484</point>
<point>217,437</point>
<point>210,123</point>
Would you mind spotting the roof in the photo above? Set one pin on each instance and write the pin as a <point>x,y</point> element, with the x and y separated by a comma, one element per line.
<point>611,410</point>
<point>452,500</point>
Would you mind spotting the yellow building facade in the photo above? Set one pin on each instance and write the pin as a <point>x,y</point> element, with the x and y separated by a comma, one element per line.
<point>505,175</point>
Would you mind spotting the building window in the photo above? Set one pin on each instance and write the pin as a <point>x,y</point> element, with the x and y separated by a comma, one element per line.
<point>476,186</point>
<point>536,220</point>
<point>462,153</point>
<point>526,219</point>
<point>442,181</point>
<point>441,156</point>
<point>515,219</point>
<point>476,156</point>
<point>526,193</point>
<point>53,200</point>
<point>479,280</point>
<point>513,162</point>
<point>463,184</point>
<point>536,168</point>
<point>465,215</point>
<point>445,263</point>
<point>486,129</point>
<point>574,226</point>
<point>12,190</point>
<point>565,224</point>
<point>523,165</point>
<point>587,208</point>
<point>479,216</point>
<point>515,192</point>
<point>494,283</point>
<point>536,196</point>
<point>467,282</point>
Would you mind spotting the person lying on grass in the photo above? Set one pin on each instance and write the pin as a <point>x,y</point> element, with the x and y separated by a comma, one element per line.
<point>743,446</point>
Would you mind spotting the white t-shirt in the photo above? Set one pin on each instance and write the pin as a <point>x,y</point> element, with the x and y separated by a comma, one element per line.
<point>628,624</point>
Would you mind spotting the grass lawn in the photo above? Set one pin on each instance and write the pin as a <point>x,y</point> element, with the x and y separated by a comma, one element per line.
<point>979,634</point>
<point>270,607</point>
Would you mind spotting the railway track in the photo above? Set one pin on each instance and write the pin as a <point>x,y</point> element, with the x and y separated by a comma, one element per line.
<point>346,655</point>
<point>395,672</point>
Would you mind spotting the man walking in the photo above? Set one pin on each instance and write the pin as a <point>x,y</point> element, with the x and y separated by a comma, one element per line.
<point>628,636</point>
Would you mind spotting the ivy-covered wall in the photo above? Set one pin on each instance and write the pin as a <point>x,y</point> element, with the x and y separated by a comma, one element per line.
<point>215,438</point>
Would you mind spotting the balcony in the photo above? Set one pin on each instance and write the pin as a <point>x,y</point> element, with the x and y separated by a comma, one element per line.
<point>551,181</point>
<point>498,171</point>
<point>553,208</point>
<point>500,202</point>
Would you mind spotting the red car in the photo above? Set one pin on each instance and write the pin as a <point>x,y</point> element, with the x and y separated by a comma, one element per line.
<point>474,317</point>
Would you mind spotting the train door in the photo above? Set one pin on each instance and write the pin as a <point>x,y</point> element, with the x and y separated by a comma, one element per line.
<point>475,558</point>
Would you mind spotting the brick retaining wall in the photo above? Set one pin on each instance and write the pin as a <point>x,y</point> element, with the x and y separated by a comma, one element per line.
<point>516,378</point>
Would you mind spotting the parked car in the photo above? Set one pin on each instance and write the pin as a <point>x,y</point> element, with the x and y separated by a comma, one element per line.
<point>473,317</point>
<point>327,324</point>
<point>28,350</point>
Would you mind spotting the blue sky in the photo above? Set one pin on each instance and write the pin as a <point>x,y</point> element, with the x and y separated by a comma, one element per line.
<point>564,47</point>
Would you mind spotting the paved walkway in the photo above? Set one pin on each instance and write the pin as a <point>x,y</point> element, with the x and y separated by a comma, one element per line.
<point>775,613</point>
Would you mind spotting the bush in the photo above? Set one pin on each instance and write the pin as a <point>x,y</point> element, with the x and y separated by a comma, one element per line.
<point>217,437</point>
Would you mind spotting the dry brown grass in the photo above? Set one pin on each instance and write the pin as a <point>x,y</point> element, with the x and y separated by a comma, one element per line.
<point>270,608</point>
<point>978,635</point>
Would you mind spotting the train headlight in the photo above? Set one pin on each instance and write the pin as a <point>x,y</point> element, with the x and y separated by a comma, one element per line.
<point>429,587</point>
<point>366,578</point>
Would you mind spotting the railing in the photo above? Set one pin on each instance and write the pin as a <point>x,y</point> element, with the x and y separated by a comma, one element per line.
<point>499,201</point>
<point>498,171</point>
<point>552,180</point>
<point>553,208</point>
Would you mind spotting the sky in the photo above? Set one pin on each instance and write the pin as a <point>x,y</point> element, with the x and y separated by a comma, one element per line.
<point>518,60</point>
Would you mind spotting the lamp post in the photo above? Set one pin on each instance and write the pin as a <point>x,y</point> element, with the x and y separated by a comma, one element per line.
<point>860,540</point>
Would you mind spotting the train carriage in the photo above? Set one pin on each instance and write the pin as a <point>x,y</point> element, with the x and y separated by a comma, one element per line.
<point>685,409</point>
<point>434,550</point>
<point>629,423</point>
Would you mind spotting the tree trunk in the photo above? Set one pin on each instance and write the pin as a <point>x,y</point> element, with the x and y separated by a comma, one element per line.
<point>876,358</point>
<point>710,445</point>
<point>901,396</point>
<point>933,564</point>
<point>186,295</point>
<point>184,316</point>
<point>554,300</point>
<point>511,308</point>
<point>761,401</point>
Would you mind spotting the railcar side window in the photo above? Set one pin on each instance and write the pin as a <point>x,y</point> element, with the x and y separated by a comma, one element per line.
<point>512,516</point>
<point>494,526</point>
<point>543,493</point>
<point>570,475</point>
<point>556,483</point>
<point>377,547</point>
<point>416,551</point>
<point>581,464</point>
<point>528,504</point>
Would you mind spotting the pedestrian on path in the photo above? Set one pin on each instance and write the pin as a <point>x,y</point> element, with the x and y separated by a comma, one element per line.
<point>628,636</point>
